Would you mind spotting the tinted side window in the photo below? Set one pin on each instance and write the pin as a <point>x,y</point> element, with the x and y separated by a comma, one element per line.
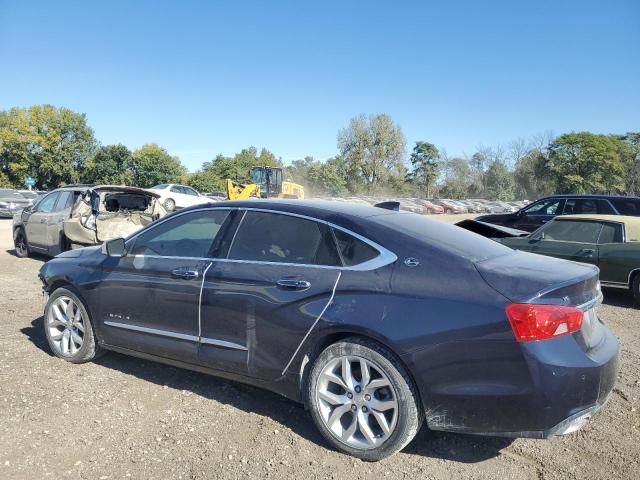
<point>354,251</point>
<point>587,206</point>
<point>188,235</point>
<point>65,200</point>
<point>627,206</point>
<point>47,204</point>
<point>611,233</point>
<point>545,207</point>
<point>271,237</point>
<point>189,191</point>
<point>573,231</point>
<point>176,189</point>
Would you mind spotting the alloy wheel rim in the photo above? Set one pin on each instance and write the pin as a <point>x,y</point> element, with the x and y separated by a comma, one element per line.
<point>357,402</point>
<point>66,326</point>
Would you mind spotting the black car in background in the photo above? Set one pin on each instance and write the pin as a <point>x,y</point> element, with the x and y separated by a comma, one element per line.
<point>541,211</point>
<point>376,319</point>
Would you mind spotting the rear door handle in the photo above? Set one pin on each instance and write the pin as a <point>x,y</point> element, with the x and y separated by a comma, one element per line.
<point>587,252</point>
<point>185,273</point>
<point>293,284</point>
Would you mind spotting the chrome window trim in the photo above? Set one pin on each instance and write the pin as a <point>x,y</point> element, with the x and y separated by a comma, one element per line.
<point>384,258</point>
<point>171,217</point>
<point>179,336</point>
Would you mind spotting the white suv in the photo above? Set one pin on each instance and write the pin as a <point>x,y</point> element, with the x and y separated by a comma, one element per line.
<point>174,196</point>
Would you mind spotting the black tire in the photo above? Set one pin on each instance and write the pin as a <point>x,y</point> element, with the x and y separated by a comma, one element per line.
<point>20,243</point>
<point>169,204</point>
<point>409,415</point>
<point>635,287</point>
<point>89,350</point>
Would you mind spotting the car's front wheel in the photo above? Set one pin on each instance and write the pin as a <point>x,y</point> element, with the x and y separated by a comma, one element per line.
<point>68,327</point>
<point>20,243</point>
<point>362,399</point>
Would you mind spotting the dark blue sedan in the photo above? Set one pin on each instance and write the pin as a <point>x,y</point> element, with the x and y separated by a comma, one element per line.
<point>377,320</point>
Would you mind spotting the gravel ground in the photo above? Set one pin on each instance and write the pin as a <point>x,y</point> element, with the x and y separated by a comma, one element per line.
<point>126,418</point>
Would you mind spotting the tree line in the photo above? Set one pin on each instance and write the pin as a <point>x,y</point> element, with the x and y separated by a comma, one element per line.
<point>56,146</point>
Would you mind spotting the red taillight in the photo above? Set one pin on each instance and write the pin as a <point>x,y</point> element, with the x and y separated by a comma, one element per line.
<point>537,322</point>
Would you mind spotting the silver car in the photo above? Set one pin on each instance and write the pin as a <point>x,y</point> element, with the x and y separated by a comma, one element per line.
<point>81,215</point>
<point>11,202</point>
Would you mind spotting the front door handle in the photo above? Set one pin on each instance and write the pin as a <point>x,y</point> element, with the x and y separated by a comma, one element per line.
<point>185,273</point>
<point>293,284</point>
<point>587,252</point>
<point>43,220</point>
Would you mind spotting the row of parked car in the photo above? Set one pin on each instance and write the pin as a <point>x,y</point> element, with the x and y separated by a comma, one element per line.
<point>435,206</point>
<point>12,201</point>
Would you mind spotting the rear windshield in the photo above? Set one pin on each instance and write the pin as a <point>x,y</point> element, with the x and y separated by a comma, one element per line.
<point>444,236</point>
<point>162,186</point>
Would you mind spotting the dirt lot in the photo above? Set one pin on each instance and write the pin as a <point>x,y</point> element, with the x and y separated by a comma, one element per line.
<point>126,418</point>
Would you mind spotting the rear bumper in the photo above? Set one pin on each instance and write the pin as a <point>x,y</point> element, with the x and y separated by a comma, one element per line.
<point>549,388</point>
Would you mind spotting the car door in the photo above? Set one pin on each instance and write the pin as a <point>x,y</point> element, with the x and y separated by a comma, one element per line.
<point>37,224</point>
<point>192,197</point>
<point>569,239</point>
<point>537,214</point>
<point>260,301</point>
<point>178,195</point>
<point>149,299</point>
<point>60,213</point>
<point>616,259</point>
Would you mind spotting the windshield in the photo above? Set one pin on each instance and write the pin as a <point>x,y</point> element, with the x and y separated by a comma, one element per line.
<point>258,175</point>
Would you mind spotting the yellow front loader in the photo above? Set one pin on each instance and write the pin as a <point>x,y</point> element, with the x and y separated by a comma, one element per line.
<point>266,182</point>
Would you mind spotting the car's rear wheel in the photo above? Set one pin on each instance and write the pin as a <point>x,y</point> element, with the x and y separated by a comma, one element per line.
<point>363,400</point>
<point>68,327</point>
<point>169,205</point>
<point>635,287</point>
<point>20,243</point>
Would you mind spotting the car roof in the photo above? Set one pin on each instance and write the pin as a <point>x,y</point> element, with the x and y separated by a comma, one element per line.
<point>317,208</point>
<point>589,195</point>
<point>631,224</point>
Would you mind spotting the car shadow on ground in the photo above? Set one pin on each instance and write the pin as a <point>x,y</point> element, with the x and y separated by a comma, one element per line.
<point>617,297</point>
<point>440,445</point>
<point>34,256</point>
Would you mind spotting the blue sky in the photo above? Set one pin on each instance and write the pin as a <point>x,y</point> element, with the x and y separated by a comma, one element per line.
<point>202,78</point>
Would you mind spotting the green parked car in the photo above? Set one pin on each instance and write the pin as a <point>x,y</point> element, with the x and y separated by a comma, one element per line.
<point>611,242</point>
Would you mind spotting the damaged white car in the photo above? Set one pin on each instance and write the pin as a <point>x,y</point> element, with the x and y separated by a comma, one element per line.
<point>82,215</point>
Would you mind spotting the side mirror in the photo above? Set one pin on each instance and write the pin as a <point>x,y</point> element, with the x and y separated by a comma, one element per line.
<point>114,247</point>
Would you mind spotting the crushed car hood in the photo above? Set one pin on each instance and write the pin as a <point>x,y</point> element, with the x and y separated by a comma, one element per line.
<point>118,188</point>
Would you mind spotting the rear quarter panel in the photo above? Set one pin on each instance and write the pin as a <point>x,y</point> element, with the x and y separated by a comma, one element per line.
<point>618,260</point>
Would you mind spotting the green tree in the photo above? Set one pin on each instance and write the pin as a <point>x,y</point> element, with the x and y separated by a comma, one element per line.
<point>425,166</point>
<point>531,175</point>
<point>239,166</point>
<point>630,151</point>
<point>457,178</point>
<point>47,143</point>
<point>499,182</point>
<point>586,163</point>
<point>374,150</point>
<point>152,165</point>
<point>205,181</point>
<point>111,165</point>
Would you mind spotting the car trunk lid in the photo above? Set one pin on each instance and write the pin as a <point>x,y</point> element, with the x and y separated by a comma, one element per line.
<point>524,277</point>
<point>529,278</point>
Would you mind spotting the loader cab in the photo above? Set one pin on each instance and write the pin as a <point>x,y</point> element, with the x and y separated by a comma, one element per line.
<point>269,179</point>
